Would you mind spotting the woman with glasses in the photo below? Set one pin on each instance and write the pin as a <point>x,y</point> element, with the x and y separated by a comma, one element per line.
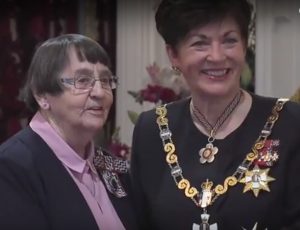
<point>52,176</point>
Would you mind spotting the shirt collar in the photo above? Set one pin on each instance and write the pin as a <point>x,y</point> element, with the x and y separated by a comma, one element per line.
<point>61,149</point>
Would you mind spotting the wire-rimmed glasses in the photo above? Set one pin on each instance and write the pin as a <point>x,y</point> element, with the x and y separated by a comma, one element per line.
<point>87,82</point>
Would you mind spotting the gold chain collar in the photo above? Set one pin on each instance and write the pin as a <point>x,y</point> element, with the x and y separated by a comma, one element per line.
<point>176,171</point>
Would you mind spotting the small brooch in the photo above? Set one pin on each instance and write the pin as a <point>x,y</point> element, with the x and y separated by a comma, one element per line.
<point>108,167</point>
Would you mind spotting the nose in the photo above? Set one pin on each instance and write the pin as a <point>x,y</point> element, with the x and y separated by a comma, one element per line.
<point>216,53</point>
<point>97,89</point>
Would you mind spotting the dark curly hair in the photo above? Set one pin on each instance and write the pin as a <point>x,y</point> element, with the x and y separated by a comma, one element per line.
<point>176,18</point>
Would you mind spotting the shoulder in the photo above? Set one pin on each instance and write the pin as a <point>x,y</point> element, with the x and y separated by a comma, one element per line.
<point>25,151</point>
<point>17,163</point>
<point>16,148</point>
<point>290,109</point>
<point>176,108</point>
<point>263,101</point>
<point>290,106</point>
<point>287,110</point>
<point>285,117</point>
<point>293,109</point>
<point>289,120</point>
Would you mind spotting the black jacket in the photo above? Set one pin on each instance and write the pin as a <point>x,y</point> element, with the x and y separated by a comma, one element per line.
<point>37,192</point>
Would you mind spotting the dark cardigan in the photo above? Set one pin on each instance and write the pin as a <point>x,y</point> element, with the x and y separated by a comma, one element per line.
<point>37,192</point>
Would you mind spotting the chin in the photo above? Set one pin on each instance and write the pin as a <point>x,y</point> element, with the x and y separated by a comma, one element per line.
<point>94,126</point>
<point>214,91</point>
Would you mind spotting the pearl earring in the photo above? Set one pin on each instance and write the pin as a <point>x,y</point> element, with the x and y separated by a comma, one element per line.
<point>45,105</point>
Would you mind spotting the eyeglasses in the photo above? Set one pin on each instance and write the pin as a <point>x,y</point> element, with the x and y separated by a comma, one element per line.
<point>87,82</point>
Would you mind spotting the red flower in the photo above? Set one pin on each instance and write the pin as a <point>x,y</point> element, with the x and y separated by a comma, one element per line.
<point>151,93</point>
<point>119,149</point>
<point>167,95</point>
<point>156,93</point>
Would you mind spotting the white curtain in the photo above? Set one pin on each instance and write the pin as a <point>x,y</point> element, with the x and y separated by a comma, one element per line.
<point>138,45</point>
<point>277,47</point>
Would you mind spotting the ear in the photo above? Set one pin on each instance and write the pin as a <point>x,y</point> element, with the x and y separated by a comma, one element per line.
<point>172,54</point>
<point>42,101</point>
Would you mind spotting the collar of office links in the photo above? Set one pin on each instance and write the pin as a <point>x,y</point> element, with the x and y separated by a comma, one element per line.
<point>207,196</point>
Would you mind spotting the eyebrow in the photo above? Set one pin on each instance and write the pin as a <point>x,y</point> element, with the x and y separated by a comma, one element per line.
<point>105,72</point>
<point>201,36</point>
<point>204,37</point>
<point>230,31</point>
<point>84,71</point>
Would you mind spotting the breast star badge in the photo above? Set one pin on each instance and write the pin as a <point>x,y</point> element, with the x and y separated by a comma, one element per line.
<point>256,180</point>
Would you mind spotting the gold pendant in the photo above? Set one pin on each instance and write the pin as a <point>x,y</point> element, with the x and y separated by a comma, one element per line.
<point>206,194</point>
<point>207,154</point>
<point>256,180</point>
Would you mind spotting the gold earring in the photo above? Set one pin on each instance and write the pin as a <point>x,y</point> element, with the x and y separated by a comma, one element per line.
<point>176,70</point>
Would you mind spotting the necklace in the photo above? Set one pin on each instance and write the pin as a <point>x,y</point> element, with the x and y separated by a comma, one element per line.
<point>207,153</point>
<point>208,195</point>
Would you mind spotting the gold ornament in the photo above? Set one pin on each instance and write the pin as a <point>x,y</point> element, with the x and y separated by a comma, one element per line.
<point>207,154</point>
<point>256,180</point>
<point>206,195</point>
<point>205,198</point>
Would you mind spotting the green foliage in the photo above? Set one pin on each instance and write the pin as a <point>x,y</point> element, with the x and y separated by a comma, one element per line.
<point>133,116</point>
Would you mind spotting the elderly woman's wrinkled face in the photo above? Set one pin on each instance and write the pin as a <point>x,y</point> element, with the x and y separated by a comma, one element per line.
<point>211,58</point>
<point>79,110</point>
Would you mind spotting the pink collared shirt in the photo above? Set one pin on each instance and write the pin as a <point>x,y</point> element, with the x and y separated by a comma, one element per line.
<point>97,199</point>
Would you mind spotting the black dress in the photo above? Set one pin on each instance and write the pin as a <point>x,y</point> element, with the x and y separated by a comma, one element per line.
<point>161,205</point>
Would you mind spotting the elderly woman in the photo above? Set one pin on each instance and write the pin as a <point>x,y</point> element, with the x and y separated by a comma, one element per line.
<point>223,158</point>
<point>51,174</point>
